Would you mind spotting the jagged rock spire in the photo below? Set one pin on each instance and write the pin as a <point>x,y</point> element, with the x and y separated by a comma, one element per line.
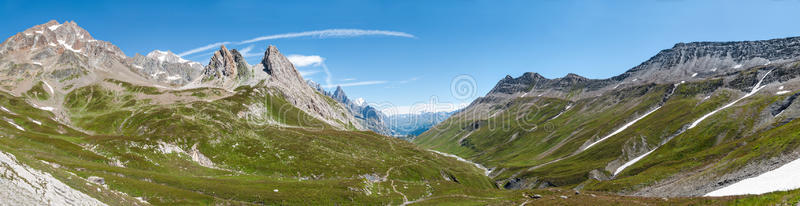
<point>221,65</point>
<point>279,67</point>
<point>340,96</point>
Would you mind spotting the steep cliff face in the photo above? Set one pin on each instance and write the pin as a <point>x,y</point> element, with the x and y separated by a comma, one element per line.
<point>223,69</point>
<point>700,59</point>
<point>281,74</point>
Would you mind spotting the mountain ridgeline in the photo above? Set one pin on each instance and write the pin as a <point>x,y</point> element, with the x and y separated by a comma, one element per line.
<point>405,126</point>
<point>81,123</point>
<point>698,119</point>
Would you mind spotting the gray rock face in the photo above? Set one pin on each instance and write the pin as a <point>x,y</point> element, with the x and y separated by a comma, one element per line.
<point>683,62</point>
<point>166,67</point>
<point>221,69</point>
<point>52,39</point>
<point>227,69</point>
<point>66,57</point>
<point>243,70</point>
<point>685,59</point>
<point>281,74</point>
<point>339,95</point>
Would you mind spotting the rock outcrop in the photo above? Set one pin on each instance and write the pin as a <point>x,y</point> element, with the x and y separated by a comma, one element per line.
<point>65,57</point>
<point>281,74</point>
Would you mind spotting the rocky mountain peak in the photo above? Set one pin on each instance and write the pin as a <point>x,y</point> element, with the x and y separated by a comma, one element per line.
<point>510,85</point>
<point>368,116</point>
<point>221,65</point>
<point>339,95</point>
<point>59,38</point>
<point>166,67</point>
<point>168,57</point>
<point>279,68</point>
<point>574,76</point>
<point>281,73</point>
<point>243,68</point>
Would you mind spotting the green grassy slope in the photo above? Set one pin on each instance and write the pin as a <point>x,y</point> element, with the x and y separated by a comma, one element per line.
<point>126,139</point>
<point>539,140</point>
<point>144,149</point>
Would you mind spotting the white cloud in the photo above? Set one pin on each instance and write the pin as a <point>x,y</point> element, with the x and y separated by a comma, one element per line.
<point>360,101</point>
<point>314,60</point>
<point>246,52</point>
<point>303,61</point>
<point>328,33</point>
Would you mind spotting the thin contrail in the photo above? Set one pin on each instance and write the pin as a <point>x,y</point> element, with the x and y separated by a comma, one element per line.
<point>328,33</point>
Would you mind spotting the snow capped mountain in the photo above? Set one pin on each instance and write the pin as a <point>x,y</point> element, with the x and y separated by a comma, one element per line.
<point>169,57</point>
<point>67,57</point>
<point>360,101</point>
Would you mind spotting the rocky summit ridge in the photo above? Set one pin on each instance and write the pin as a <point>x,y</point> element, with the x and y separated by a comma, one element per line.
<point>65,56</point>
<point>694,120</point>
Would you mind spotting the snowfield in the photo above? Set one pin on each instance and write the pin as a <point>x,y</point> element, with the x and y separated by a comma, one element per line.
<point>784,178</point>
<point>479,166</point>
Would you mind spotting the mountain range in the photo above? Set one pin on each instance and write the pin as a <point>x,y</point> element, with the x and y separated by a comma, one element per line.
<point>85,124</point>
<point>404,126</point>
<point>693,120</point>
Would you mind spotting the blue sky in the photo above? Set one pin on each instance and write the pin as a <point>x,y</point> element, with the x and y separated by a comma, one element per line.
<point>485,40</point>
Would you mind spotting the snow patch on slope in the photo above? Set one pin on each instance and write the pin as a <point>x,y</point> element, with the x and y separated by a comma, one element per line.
<point>14,124</point>
<point>781,179</point>
<point>54,27</point>
<point>68,46</point>
<point>631,162</point>
<point>756,88</point>
<point>622,128</point>
<point>49,88</point>
<point>479,166</point>
<point>6,110</point>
